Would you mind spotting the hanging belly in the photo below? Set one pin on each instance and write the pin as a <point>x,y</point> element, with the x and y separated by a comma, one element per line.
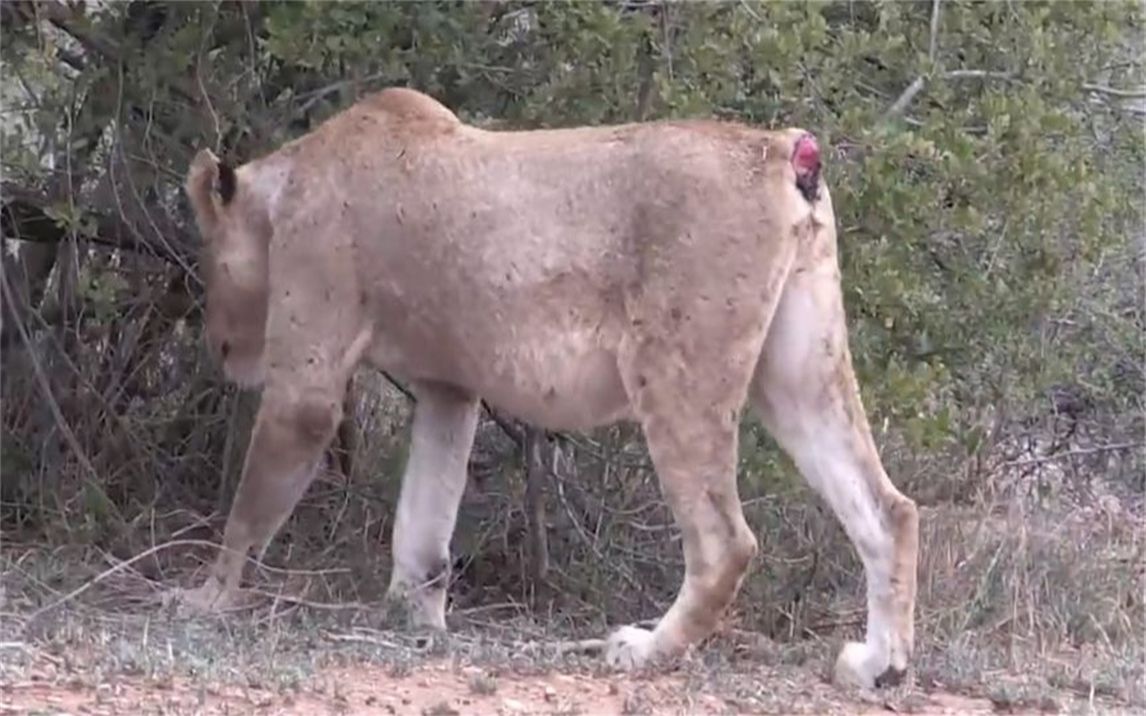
<point>556,379</point>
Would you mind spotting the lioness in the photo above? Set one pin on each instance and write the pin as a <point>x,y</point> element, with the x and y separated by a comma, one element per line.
<point>666,273</point>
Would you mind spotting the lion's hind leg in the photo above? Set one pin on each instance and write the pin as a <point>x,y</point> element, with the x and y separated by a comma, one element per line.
<point>806,395</point>
<point>693,444</point>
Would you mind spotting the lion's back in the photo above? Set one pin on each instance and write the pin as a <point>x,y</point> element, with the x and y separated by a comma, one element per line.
<point>409,105</point>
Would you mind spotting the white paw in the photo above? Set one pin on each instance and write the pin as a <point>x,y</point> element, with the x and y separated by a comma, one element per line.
<point>416,609</point>
<point>629,648</point>
<point>210,597</point>
<point>858,666</point>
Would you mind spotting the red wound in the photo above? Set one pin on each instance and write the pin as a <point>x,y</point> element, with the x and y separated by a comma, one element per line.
<point>806,162</point>
<point>806,158</point>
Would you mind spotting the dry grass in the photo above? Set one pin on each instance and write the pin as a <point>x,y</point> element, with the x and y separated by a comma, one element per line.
<point>1031,585</point>
<point>1029,605</point>
<point>304,654</point>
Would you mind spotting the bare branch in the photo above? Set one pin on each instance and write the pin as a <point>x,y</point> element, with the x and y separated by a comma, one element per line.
<point>905,99</point>
<point>67,19</point>
<point>309,99</point>
<point>507,426</point>
<point>901,103</point>
<point>538,452</point>
<point>1115,92</point>
<point>401,388</point>
<point>1113,447</point>
<point>977,75</point>
<point>49,397</point>
<point>933,46</point>
<point>23,216</point>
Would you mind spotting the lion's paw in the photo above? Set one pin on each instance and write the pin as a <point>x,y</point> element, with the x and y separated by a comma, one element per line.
<point>211,597</point>
<point>410,610</point>
<point>858,667</point>
<point>629,648</point>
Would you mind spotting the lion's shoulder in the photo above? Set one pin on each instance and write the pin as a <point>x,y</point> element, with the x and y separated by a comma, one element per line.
<point>409,105</point>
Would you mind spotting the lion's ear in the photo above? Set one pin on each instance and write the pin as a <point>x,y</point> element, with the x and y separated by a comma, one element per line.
<point>211,185</point>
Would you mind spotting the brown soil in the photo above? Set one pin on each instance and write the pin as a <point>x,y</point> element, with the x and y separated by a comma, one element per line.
<point>443,689</point>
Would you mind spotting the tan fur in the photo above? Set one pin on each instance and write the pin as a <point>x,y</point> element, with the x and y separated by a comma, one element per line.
<point>666,273</point>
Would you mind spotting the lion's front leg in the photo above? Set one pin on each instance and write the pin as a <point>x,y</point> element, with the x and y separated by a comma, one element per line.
<point>291,431</point>
<point>310,359</point>
<point>445,419</point>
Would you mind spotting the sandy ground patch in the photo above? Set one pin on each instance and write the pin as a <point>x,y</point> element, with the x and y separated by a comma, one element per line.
<point>443,688</point>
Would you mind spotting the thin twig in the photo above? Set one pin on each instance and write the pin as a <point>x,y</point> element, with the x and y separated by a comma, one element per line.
<point>977,75</point>
<point>897,108</point>
<point>471,611</point>
<point>197,543</point>
<point>361,639</point>
<point>1115,92</point>
<point>905,99</point>
<point>74,23</point>
<point>401,388</point>
<point>920,82</point>
<point>579,646</point>
<point>589,542</point>
<point>506,426</point>
<point>327,606</point>
<point>46,387</point>
<point>1073,453</point>
<point>917,85</point>
<point>118,568</point>
<point>933,46</point>
<point>309,99</point>
<point>160,235</point>
<point>207,35</point>
<point>299,572</point>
